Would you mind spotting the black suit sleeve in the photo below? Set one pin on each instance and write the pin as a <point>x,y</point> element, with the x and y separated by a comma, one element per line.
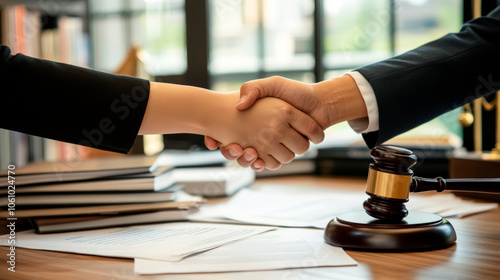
<point>430,80</point>
<point>69,103</point>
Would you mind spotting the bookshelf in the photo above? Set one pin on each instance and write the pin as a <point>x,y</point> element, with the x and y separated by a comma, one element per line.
<point>53,30</point>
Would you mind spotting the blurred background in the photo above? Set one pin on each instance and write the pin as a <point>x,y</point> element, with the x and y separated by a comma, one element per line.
<point>220,44</point>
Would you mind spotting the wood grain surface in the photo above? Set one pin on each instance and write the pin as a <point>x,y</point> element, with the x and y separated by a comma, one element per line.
<point>476,254</point>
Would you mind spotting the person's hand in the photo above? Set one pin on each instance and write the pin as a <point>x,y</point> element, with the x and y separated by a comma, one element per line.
<point>302,96</point>
<point>327,102</point>
<point>245,157</point>
<point>298,94</point>
<point>274,128</point>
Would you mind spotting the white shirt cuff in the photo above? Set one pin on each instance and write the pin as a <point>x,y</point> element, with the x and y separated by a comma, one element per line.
<point>369,124</point>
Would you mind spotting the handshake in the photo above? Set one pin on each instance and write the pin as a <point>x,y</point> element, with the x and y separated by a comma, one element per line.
<point>279,117</point>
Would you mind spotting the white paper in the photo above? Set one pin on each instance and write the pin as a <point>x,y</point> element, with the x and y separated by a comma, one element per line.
<point>287,206</point>
<point>280,205</point>
<point>292,206</point>
<point>448,205</point>
<point>192,158</point>
<point>280,249</point>
<point>168,241</point>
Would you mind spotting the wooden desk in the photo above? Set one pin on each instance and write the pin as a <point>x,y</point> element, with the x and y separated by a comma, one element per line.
<point>476,255</point>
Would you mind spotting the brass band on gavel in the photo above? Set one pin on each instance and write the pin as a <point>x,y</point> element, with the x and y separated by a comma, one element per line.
<point>388,185</point>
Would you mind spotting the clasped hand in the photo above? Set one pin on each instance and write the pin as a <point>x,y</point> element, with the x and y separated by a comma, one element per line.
<point>274,129</point>
<point>273,151</point>
<point>324,104</point>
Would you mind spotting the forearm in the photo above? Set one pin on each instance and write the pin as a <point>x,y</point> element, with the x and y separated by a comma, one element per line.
<point>342,99</point>
<point>185,109</point>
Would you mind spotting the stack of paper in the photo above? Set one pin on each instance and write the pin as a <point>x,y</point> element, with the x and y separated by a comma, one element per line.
<point>206,173</point>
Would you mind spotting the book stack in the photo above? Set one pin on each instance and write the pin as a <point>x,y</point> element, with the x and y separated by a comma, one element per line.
<point>94,193</point>
<point>117,191</point>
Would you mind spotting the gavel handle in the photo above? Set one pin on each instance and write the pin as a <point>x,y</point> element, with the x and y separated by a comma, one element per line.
<point>439,184</point>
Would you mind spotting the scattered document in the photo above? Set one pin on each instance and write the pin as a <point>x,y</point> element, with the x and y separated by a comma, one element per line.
<point>280,249</point>
<point>448,205</point>
<point>286,206</point>
<point>169,241</point>
<point>292,206</point>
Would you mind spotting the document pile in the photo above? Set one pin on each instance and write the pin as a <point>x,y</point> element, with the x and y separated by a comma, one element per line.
<point>206,173</point>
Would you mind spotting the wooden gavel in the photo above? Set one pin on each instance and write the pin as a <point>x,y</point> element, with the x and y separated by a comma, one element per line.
<point>390,181</point>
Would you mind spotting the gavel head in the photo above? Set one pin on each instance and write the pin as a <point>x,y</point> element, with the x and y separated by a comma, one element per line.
<point>388,183</point>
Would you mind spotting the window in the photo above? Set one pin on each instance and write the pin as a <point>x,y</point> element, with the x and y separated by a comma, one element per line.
<point>259,38</point>
<point>251,39</point>
<point>306,40</point>
<point>418,22</point>
<point>158,26</point>
<point>356,33</point>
